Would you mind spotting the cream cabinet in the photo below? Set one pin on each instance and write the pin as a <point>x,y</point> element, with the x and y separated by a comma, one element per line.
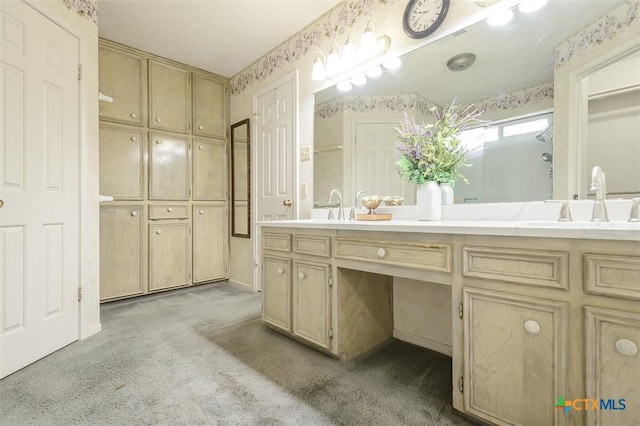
<point>121,251</point>
<point>122,162</point>
<point>311,302</point>
<point>209,169</point>
<point>210,255</point>
<point>122,77</point>
<point>276,291</point>
<point>513,368</point>
<point>168,167</point>
<point>169,97</point>
<point>169,255</point>
<point>209,107</point>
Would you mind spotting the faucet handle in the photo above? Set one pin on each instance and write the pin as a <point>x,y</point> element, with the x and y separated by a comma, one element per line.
<point>634,215</point>
<point>565,211</point>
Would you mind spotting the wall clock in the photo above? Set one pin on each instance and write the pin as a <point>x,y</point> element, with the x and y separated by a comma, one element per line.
<point>423,17</point>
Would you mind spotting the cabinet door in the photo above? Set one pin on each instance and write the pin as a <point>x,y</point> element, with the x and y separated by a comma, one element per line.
<point>613,365</point>
<point>276,291</point>
<point>515,358</point>
<point>209,106</point>
<point>122,78</point>
<point>121,163</point>
<point>168,167</point>
<point>209,242</point>
<point>311,302</point>
<point>169,97</point>
<point>209,170</point>
<point>120,251</point>
<point>169,255</point>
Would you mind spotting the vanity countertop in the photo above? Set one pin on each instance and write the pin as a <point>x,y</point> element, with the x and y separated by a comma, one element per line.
<point>625,231</point>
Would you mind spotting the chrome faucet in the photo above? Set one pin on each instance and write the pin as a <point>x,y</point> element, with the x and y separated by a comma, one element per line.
<point>352,213</point>
<point>598,184</point>
<point>340,210</point>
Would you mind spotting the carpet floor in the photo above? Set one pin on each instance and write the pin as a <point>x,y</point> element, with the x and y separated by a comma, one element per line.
<point>202,356</point>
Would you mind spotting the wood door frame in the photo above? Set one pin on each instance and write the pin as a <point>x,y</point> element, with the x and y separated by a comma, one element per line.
<point>256,236</point>
<point>86,32</point>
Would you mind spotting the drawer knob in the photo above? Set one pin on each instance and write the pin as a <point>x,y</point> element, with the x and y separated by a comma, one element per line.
<point>133,139</point>
<point>200,127</point>
<point>381,252</point>
<point>200,147</point>
<point>200,211</point>
<point>626,347</point>
<point>158,232</point>
<point>133,115</point>
<point>134,213</point>
<point>158,142</point>
<point>169,209</point>
<point>532,327</point>
<point>280,271</point>
<point>301,276</point>
<point>158,119</point>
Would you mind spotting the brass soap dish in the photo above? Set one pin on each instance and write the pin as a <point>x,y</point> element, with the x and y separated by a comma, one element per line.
<point>372,202</point>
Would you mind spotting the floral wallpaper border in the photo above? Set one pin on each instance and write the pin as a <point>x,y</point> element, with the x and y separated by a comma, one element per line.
<point>329,25</point>
<point>517,99</point>
<point>398,103</point>
<point>85,8</point>
<point>604,29</point>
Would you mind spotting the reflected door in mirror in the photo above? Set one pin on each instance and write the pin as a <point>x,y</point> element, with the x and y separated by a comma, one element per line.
<point>240,172</point>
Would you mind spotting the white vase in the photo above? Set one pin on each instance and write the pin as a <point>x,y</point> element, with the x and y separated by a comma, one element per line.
<point>447,193</point>
<point>428,202</point>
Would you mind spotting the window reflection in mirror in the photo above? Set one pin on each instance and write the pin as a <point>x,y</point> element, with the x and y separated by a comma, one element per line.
<point>240,172</point>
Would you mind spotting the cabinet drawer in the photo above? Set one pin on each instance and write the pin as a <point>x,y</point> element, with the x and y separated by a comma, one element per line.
<point>168,212</point>
<point>617,276</point>
<point>312,244</point>
<point>276,242</point>
<point>538,268</point>
<point>433,257</point>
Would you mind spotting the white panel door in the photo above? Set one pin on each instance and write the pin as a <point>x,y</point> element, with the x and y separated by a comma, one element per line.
<point>275,154</point>
<point>375,161</point>
<point>39,184</point>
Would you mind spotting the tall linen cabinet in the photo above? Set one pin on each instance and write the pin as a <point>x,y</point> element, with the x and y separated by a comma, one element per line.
<point>163,158</point>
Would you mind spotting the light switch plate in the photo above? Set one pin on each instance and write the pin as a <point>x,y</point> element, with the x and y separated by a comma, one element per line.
<point>305,153</point>
<point>303,190</point>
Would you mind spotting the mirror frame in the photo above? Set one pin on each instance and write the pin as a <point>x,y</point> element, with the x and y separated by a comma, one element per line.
<point>244,122</point>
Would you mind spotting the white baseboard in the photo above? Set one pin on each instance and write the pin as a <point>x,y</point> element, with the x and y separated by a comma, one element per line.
<point>414,339</point>
<point>240,284</point>
<point>91,332</point>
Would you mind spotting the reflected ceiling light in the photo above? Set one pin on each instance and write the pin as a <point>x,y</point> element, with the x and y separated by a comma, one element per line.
<point>349,49</point>
<point>528,6</point>
<point>392,63</point>
<point>374,72</point>
<point>333,58</point>
<point>344,86</point>
<point>319,71</point>
<point>369,40</point>
<point>359,80</point>
<point>500,17</point>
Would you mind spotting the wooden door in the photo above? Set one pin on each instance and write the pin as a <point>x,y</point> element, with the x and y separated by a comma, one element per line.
<point>121,251</point>
<point>168,167</point>
<point>122,78</point>
<point>276,291</point>
<point>612,339</point>
<point>209,242</point>
<point>169,97</point>
<point>515,358</point>
<point>169,255</point>
<point>122,162</point>
<point>209,170</point>
<point>209,107</point>
<point>39,181</point>
<point>311,302</point>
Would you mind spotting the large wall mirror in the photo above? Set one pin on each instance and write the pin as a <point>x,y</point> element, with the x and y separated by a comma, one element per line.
<point>240,173</point>
<point>511,79</point>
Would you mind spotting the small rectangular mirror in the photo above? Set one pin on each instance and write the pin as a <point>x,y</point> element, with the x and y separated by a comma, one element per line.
<point>240,187</point>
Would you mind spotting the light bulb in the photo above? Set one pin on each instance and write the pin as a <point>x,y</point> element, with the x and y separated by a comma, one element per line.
<point>368,41</point>
<point>528,6</point>
<point>374,72</point>
<point>319,71</point>
<point>332,61</point>
<point>359,80</point>
<point>500,17</point>
<point>344,86</point>
<point>349,49</point>
<point>392,63</point>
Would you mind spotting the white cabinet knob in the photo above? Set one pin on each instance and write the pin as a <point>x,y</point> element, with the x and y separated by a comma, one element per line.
<point>169,209</point>
<point>133,115</point>
<point>200,211</point>
<point>158,120</point>
<point>381,252</point>
<point>626,347</point>
<point>280,271</point>
<point>301,276</point>
<point>134,213</point>
<point>532,327</point>
<point>200,147</point>
<point>158,232</point>
<point>158,142</point>
<point>133,138</point>
<point>200,127</point>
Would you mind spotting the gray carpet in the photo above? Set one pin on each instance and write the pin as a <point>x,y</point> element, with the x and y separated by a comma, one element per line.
<point>201,356</point>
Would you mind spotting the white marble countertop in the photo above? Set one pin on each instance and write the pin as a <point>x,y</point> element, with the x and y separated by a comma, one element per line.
<point>624,231</point>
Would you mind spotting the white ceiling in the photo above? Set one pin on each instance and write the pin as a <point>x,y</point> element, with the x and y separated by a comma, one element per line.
<point>221,36</point>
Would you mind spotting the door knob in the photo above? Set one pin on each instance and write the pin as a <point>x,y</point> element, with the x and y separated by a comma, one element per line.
<point>280,271</point>
<point>1,204</point>
<point>287,203</point>
<point>158,232</point>
<point>200,127</point>
<point>170,209</point>
<point>134,213</point>
<point>133,115</point>
<point>200,147</point>
<point>158,120</point>
<point>301,276</point>
<point>200,211</point>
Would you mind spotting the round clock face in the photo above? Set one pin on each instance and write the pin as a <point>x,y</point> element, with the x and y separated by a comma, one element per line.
<point>423,17</point>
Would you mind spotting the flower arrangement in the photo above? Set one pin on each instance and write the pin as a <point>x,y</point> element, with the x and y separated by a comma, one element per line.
<point>433,152</point>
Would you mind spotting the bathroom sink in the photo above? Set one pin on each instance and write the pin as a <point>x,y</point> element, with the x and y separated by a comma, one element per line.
<point>581,224</point>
